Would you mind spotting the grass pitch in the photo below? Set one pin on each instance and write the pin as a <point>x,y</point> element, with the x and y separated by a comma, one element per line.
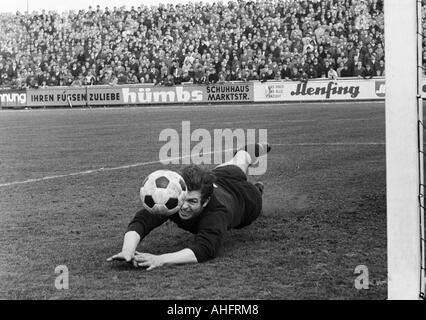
<point>324,204</point>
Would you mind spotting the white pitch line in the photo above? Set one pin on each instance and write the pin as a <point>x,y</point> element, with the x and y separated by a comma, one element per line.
<point>108,126</point>
<point>81,173</point>
<point>194,105</point>
<point>140,164</point>
<point>331,144</point>
<point>175,107</point>
<point>299,121</point>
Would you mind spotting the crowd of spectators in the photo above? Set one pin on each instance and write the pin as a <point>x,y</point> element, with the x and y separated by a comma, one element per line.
<point>195,42</point>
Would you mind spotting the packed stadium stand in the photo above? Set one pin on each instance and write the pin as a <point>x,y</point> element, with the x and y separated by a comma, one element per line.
<point>195,42</point>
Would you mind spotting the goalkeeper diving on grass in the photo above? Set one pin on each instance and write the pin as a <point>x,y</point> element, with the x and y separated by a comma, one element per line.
<point>216,201</point>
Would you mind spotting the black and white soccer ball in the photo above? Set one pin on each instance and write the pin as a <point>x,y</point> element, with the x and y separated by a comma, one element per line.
<point>163,192</point>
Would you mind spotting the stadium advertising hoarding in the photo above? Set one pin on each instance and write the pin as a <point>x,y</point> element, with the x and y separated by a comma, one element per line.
<point>99,96</point>
<point>316,90</point>
<point>139,95</point>
<point>13,98</point>
<point>56,97</point>
<point>73,96</point>
<point>230,92</point>
<point>380,88</point>
<point>234,92</point>
<point>161,94</point>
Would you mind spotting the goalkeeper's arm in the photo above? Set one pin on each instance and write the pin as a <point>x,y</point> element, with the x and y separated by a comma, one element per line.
<point>151,261</point>
<point>142,224</point>
<point>130,242</point>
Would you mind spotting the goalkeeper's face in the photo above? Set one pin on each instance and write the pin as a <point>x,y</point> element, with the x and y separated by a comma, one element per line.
<point>192,205</point>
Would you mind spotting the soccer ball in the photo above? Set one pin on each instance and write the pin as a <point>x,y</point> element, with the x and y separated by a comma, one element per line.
<point>163,192</point>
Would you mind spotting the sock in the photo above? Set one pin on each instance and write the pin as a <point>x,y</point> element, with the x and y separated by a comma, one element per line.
<point>256,150</point>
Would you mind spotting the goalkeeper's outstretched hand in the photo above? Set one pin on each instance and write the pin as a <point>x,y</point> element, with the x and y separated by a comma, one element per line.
<point>122,256</point>
<point>147,260</point>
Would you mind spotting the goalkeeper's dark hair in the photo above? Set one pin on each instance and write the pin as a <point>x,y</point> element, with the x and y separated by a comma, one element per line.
<point>199,178</point>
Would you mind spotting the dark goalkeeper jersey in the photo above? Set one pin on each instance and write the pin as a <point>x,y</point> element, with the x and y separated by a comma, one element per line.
<point>235,203</point>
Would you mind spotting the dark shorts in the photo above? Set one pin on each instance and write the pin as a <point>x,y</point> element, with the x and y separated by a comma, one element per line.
<point>235,181</point>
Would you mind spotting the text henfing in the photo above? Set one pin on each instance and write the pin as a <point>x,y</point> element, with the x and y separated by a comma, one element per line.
<point>209,150</point>
<point>332,88</point>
